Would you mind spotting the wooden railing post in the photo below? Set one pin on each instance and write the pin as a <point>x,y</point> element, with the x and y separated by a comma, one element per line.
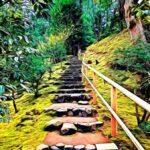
<point>93,92</point>
<point>86,82</point>
<point>114,107</point>
<point>83,71</point>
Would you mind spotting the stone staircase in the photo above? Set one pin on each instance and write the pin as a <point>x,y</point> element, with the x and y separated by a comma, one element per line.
<point>75,125</point>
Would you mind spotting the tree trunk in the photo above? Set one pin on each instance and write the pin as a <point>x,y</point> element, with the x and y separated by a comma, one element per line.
<point>137,114</point>
<point>144,116</point>
<point>14,102</point>
<point>121,14</point>
<point>134,25</point>
<point>36,93</point>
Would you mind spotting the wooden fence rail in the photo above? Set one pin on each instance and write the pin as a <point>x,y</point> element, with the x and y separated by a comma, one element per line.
<point>113,108</point>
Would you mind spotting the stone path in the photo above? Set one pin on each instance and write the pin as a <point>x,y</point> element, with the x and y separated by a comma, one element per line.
<point>75,125</point>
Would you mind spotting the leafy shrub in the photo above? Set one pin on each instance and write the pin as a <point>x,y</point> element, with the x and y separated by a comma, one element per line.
<point>37,30</point>
<point>33,68</point>
<point>134,58</point>
<point>146,127</point>
<point>4,112</point>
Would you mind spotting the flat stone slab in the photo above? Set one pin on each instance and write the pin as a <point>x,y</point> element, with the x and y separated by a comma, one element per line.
<point>106,146</point>
<point>76,85</point>
<point>77,119</point>
<point>82,90</point>
<point>72,97</point>
<point>67,106</point>
<point>73,124</point>
<point>54,138</point>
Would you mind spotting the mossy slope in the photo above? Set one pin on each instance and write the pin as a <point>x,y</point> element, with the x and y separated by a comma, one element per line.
<point>103,51</point>
<point>26,135</point>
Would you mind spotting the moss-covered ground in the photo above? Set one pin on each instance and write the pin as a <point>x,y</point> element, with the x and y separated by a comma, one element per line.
<point>26,134</point>
<point>103,51</point>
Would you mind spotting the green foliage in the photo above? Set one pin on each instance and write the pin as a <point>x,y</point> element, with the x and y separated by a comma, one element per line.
<point>88,19</point>
<point>33,68</point>
<point>58,52</point>
<point>4,112</point>
<point>107,19</point>
<point>2,89</point>
<point>37,31</point>
<point>145,126</point>
<point>34,64</point>
<point>135,58</point>
<point>141,9</point>
<point>61,14</point>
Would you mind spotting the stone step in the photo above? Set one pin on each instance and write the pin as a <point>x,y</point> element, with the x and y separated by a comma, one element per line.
<point>73,82</point>
<point>60,98</point>
<point>61,146</point>
<point>69,106</point>
<point>83,102</point>
<point>78,138</point>
<point>67,83</point>
<point>72,109</point>
<point>73,91</point>
<point>63,91</point>
<point>69,63</point>
<point>75,65</point>
<point>73,68</point>
<point>88,127</point>
<point>77,119</point>
<point>106,146</point>
<point>71,75</point>
<point>74,71</point>
<point>76,85</point>
<point>69,126</point>
<point>70,79</point>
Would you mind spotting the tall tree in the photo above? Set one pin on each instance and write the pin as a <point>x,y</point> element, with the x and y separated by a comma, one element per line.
<point>133,22</point>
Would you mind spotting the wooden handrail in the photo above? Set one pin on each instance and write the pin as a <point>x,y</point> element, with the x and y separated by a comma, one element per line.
<point>115,118</point>
<point>130,95</point>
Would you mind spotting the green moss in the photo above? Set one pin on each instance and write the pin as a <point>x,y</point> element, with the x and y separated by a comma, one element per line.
<point>28,134</point>
<point>103,51</point>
